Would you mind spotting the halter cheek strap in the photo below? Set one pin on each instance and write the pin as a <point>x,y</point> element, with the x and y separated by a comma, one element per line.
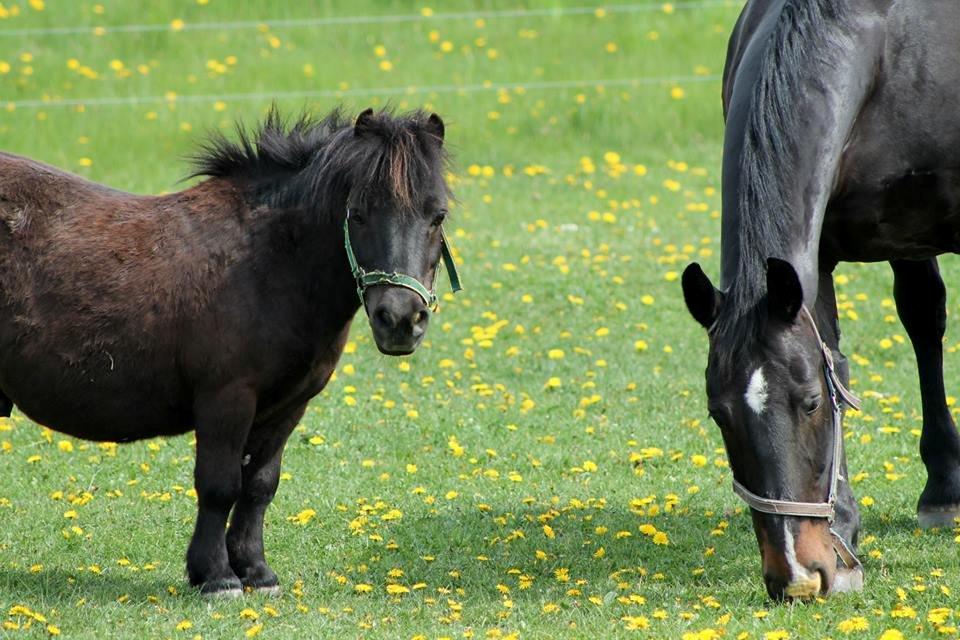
<point>366,279</point>
<point>825,510</point>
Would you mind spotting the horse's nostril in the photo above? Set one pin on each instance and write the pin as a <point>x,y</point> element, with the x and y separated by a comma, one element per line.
<point>420,317</point>
<point>385,318</point>
<point>824,578</point>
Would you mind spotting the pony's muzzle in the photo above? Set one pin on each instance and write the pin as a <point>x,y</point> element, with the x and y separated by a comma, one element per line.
<point>398,317</point>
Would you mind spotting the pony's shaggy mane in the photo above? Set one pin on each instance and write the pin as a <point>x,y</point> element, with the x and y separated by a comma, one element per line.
<point>384,151</point>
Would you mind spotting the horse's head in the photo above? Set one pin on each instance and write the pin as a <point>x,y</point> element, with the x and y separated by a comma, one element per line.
<point>393,232</point>
<point>771,395</point>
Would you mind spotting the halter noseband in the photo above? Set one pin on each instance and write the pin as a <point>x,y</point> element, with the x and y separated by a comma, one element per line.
<point>366,279</point>
<point>826,510</point>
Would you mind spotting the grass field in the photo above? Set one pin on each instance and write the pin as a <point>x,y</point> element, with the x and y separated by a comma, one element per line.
<point>543,467</point>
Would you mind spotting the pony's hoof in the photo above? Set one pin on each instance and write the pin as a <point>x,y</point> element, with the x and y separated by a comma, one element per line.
<point>942,516</point>
<point>272,591</point>
<point>221,589</point>
<point>847,580</point>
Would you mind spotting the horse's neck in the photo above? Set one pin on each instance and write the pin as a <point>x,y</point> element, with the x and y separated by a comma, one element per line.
<point>776,186</point>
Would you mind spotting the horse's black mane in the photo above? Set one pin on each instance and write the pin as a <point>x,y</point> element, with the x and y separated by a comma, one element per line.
<point>393,152</point>
<point>795,52</point>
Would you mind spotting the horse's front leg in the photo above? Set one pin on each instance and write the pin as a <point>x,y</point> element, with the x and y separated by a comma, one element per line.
<point>223,421</point>
<point>921,304</point>
<point>261,475</point>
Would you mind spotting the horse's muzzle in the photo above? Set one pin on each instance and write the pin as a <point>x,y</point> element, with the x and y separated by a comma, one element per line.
<point>398,317</point>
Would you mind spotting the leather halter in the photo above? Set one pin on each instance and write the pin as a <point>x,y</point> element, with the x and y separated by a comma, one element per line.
<point>366,279</point>
<point>825,510</point>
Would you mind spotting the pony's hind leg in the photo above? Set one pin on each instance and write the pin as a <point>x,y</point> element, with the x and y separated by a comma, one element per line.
<point>261,475</point>
<point>921,304</point>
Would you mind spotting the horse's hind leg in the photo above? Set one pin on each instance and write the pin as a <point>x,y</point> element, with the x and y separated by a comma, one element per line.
<point>261,475</point>
<point>921,304</point>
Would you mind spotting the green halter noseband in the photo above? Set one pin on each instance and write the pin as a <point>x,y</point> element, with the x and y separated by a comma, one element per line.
<point>367,279</point>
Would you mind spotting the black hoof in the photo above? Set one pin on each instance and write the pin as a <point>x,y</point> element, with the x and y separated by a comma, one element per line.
<point>224,588</point>
<point>929,517</point>
<point>939,504</point>
<point>259,578</point>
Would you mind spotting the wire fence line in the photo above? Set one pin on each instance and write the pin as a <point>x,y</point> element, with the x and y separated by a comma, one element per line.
<point>542,85</point>
<point>682,5</point>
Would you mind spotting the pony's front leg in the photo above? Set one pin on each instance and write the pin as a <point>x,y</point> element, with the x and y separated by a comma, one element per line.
<point>223,421</point>
<point>921,304</point>
<point>261,475</point>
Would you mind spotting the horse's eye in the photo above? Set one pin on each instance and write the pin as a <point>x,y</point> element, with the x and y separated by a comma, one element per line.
<point>357,218</point>
<point>812,403</point>
<point>438,219</point>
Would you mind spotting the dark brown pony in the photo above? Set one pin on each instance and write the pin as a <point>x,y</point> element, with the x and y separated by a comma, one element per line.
<point>221,309</point>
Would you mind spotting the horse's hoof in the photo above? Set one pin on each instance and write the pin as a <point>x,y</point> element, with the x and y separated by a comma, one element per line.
<point>943,516</point>
<point>272,591</point>
<point>221,589</point>
<point>847,580</point>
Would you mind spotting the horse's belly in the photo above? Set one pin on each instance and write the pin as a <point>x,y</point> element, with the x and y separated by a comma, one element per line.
<point>912,216</point>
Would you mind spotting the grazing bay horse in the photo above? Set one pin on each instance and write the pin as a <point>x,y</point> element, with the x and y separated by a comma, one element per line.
<point>223,308</point>
<point>842,143</point>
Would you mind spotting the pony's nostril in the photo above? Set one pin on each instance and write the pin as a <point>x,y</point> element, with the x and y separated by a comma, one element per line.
<point>385,318</point>
<point>419,318</point>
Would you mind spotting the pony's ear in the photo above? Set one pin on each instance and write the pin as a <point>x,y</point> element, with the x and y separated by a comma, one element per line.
<point>363,121</point>
<point>784,292</point>
<point>435,127</point>
<point>702,298</point>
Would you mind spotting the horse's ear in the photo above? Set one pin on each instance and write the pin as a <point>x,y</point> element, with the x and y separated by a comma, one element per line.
<point>702,298</point>
<point>435,127</point>
<point>363,121</point>
<point>784,292</point>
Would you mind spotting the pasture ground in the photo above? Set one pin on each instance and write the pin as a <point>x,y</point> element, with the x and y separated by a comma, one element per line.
<point>544,466</point>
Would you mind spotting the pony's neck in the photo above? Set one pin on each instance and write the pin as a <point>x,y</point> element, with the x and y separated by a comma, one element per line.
<point>304,246</point>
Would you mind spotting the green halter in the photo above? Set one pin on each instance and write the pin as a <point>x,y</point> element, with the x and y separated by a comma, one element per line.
<point>367,279</point>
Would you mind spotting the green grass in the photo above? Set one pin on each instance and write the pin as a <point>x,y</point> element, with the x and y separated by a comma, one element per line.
<point>447,465</point>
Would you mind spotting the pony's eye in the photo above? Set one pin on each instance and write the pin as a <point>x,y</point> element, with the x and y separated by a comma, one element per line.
<point>812,403</point>
<point>357,218</point>
<point>438,219</point>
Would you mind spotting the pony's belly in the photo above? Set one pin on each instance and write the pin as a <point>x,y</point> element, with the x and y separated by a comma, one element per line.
<point>94,404</point>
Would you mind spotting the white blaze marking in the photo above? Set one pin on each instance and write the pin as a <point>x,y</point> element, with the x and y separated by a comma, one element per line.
<point>797,571</point>
<point>756,395</point>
